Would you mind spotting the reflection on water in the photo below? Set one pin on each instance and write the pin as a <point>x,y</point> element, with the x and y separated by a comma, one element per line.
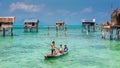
<point>3,41</point>
<point>114,45</point>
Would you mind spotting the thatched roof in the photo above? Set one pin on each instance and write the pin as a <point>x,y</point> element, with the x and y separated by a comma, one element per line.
<point>115,17</point>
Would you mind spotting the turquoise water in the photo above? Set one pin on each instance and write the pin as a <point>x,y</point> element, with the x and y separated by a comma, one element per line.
<point>86,50</point>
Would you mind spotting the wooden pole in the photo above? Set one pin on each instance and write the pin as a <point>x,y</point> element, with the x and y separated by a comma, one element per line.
<point>117,33</point>
<point>30,29</point>
<point>87,29</point>
<point>3,31</point>
<point>24,28</point>
<point>48,30</point>
<point>94,28</point>
<point>11,31</point>
<point>111,33</point>
<point>65,30</point>
<point>82,27</point>
<point>103,33</point>
<point>27,29</point>
<point>56,30</point>
<point>36,29</point>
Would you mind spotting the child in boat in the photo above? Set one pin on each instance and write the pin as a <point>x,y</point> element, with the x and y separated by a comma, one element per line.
<point>53,48</point>
<point>65,48</point>
<point>61,49</point>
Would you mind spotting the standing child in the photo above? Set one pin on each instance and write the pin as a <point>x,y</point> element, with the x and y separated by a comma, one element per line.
<point>53,48</point>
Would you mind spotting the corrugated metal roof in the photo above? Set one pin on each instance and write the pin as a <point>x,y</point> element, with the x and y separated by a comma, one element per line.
<point>59,22</point>
<point>31,20</point>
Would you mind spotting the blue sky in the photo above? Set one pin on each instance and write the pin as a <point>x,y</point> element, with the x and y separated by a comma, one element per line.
<point>50,11</point>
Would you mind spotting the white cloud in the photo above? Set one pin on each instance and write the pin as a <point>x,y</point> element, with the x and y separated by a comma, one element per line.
<point>87,10</point>
<point>63,12</point>
<point>74,14</point>
<point>49,13</point>
<point>26,7</point>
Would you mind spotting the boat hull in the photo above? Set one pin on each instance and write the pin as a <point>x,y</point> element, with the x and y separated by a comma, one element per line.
<point>55,56</point>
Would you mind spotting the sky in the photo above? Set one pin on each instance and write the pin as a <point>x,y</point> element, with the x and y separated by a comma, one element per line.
<point>48,12</point>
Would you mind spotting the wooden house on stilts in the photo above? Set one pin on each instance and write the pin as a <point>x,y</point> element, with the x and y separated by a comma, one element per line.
<point>31,25</point>
<point>59,26</point>
<point>6,25</point>
<point>113,27</point>
<point>88,26</point>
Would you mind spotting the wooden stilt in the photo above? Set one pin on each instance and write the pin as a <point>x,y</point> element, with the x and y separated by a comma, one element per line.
<point>48,30</point>
<point>27,29</point>
<point>82,27</point>
<point>30,29</point>
<point>3,31</point>
<point>94,28</point>
<point>37,29</point>
<point>65,30</point>
<point>111,33</point>
<point>118,34</point>
<point>24,29</point>
<point>103,33</point>
<point>11,31</point>
<point>87,28</point>
<point>57,31</point>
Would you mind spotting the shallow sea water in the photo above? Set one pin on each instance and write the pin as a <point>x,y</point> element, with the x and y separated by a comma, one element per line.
<point>86,50</point>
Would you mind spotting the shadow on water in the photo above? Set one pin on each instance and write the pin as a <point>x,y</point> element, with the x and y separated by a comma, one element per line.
<point>114,45</point>
<point>99,47</point>
<point>90,62</point>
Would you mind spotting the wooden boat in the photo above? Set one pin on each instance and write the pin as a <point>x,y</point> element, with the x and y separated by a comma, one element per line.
<point>55,56</point>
